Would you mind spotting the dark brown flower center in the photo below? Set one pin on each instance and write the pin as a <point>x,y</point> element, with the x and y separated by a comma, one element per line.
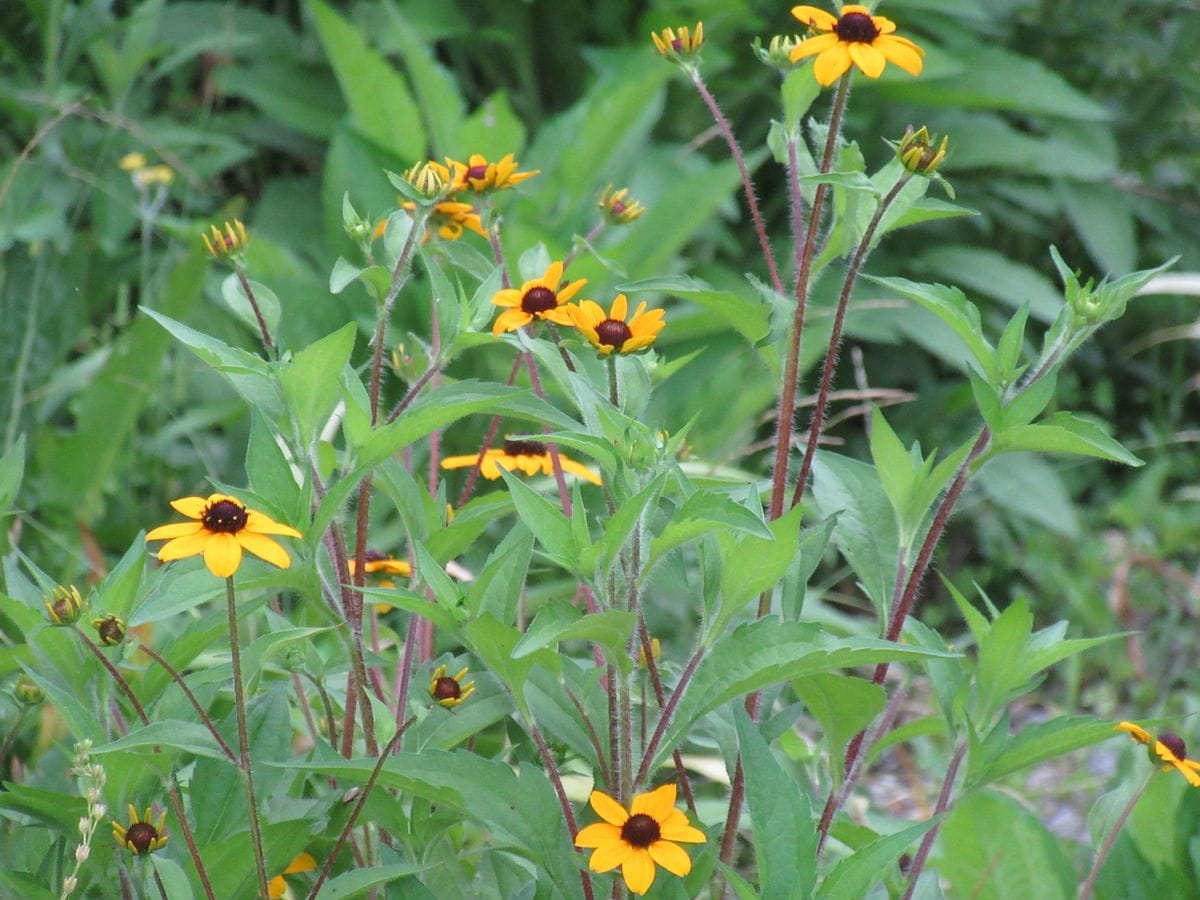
<point>374,556</point>
<point>856,27</point>
<point>1174,743</point>
<point>224,517</point>
<point>524,448</point>
<point>613,332</point>
<point>479,172</point>
<point>446,688</point>
<point>640,831</point>
<point>539,299</point>
<point>140,836</point>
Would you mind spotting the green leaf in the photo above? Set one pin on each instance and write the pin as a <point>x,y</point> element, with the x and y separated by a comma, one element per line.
<point>546,520</point>
<point>843,704</point>
<point>951,306</point>
<point>561,620</point>
<point>1038,743</point>
<point>493,642</point>
<point>699,514</point>
<point>799,90</point>
<point>187,737</point>
<point>234,294</point>
<point>753,565</point>
<point>444,618</point>
<point>1063,433</point>
<point>378,97</point>
<point>497,587</point>
<point>852,877</point>
<point>1028,404</point>
<point>311,381</point>
<point>749,316</point>
<point>442,105</point>
<point>268,470</point>
<point>785,839</point>
<point>359,882</point>
<point>1103,219</point>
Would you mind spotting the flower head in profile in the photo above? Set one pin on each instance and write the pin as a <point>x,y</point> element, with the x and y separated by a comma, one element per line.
<point>679,44</point>
<point>539,298</point>
<point>481,176</point>
<point>1167,750</point>
<point>855,37</point>
<point>917,151</point>
<point>611,332</point>
<point>131,162</point>
<point>277,887</point>
<point>230,242</point>
<point>449,690</point>
<point>222,529</point>
<point>655,652</point>
<point>639,839</point>
<point>618,208</point>
<point>530,457</point>
<point>63,605</point>
<point>141,835</point>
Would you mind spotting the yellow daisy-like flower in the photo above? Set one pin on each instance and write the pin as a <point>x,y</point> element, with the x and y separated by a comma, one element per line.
<point>277,887</point>
<point>541,298</point>
<point>63,605</point>
<point>481,176</point>
<point>448,219</point>
<point>855,37</point>
<point>223,528</point>
<point>142,835</point>
<point>641,838</point>
<point>449,691</point>
<point>610,331</point>
<point>530,457</point>
<point>1168,748</point>
<point>231,241</point>
<point>618,207</point>
<point>681,45</point>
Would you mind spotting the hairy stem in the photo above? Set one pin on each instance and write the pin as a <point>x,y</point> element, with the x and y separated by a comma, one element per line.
<point>200,711</point>
<point>943,803</point>
<point>263,331</point>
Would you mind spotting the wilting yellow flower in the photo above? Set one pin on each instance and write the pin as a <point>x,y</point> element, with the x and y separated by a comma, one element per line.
<point>228,243</point>
<point>609,332</point>
<point>618,207</point>
<point>541,298</point>
<point>277,886</point>
<point>639,839</point>
<point>449,691</point>
<point>1168,748</point>
<point>110,630</point>
<point>142,836</point>
<point>131,162</point>
<point>480,176</point>
<point>63,605</point>
<point>530,457</point>
<point>681,45</point>
<point>223,528</point>
<point>854,38</point>
<point>917,153</point>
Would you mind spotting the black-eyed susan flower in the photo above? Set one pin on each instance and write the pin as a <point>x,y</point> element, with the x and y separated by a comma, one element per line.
<point>377,563</point>
<point>618,207</point>
<point>449,690</point>
<point>854,37</point>
<point>641,838</point>
<point>110,630</point>
<point>63,605</point>
<point>1167,750</point>
<point>277,887</point>
<point>142,835</point>
<point>230,242</point>
<point>530,457</point>
<point>610,332</point>
<point>540,298</point>
<point>223,528</point>
<point>481,176</point>
<point>679,45</point>
<point>448,220</point>
<point>917,153</point>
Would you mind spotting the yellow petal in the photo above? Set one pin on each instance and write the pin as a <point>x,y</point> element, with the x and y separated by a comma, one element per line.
<point>1136,732</point>
<point>813,46</point>
<point>832,64</point>
<point>264,548</point>
<point>263,524</point>
<point>620,308</point>
<point>610,855</point>
<point>559,316</point>
<point>902,53</point>
<point>608,809</point>
<point>598,835</point>
<point>867,58</point>
<point>553,275</point>
<point>192,507</point>
<point>576,468</point>
<point>507,297</point>
<point>276,887</point>
<point>658,804</point>
<point>569,291</point>
<point>638,871</point>
<point>680,830</point>
<point>175,530</point>
<point>671,857</point>
<point>460,462</point>
<point>222,554</point>
<point>883,24</point>
<point>815,17</point>
<point>183,547</point>
<point>510,320</point>
<point>1192,777</point>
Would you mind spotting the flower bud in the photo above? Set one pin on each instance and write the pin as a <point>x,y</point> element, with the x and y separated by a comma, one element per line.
<point>230,242</point>
<point>110,629</point>
<point>778,53</point>
<point>618,207</point>
<point>679,46</point>
<point>63,605</point>
<point>917,153</point>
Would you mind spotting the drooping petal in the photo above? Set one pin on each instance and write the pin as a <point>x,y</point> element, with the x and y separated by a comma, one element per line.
<point>608,809</point>
<point>559,316</point>
<point>901,52</point>
<point>1193,778</point>
<point>183,547</point>
<point>609,856</point>
<point>222,554</point>
<point>261,523</point>
<point>510,320</point>
<point>832,64</point>
<point>812,46</point>
<point>192,507</point>
<point>174,530</point>
<point>883,24</point>
<point>868,59</point>
<point>815,17</point>
<point>264,548</point>
<point>658,804</point>
<point>1139,734</point>
<point>601,834</point>
<point>638,871</point>
<point>671,857</point>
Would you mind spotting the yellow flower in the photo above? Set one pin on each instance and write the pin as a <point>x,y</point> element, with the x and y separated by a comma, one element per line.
<point>449,691</point>
<point>681,46</point>
<point>429,178</point>
<point>1167,748</point>
<point>480,176</point>
<point>639,839</point>
<point>110,630</point>
<point>375,563</point>
<point>448,219</point>
<point>611,331</point>
<point>63,605</point>
<point>131,162</point>
<point>530,457</point>
<point>228,243</point>
<point>142,836</point>
<point>917,153</point>
<point>148,177</point>
<point>540,298</point>
<point>618,207</point>
<point>854,38</point>
<point>277,886</point>
<point>224,527</point>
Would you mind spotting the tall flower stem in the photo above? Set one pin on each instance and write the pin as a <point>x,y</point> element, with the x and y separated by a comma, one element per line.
<point>239,701</point>
<point>581,243</point>
<point>560,480</point>
<point>187,692</point>
<point>263,331</point>
<point>172,792</point>
<point>835,338</point>
<point>943,803</point>
<point>568,813</point>
<point>739,158</point>
<point>614,396</point>
<point>685,678</point>
<point>1089,884</point>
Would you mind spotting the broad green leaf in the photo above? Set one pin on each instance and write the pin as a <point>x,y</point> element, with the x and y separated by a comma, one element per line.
<point>1040,742</point>
<point>445,619</point>
<point>1063,433</point>
<point>951,306</point>
<point>545,518</point>
<point>843,704</point>
<point>852,877</point>
<point>311,381</point>
<point>436,90</point>
<point>748,315</point>
<point>753,565</point>
<point>700,513</point>
<point>360,882</point>
<point>991,273</point>
<point>493,643</point>
<point>497,588</point>
<point>561,620</point>
<point>187,737</point>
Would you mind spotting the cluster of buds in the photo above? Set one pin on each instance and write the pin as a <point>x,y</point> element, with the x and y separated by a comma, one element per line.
<point>228,243</point>
<point>91,780</point>
<point>143,175</point>
<point>618,208</point>
<point>917,151</point>
<point>679,45</point>
<point>63,605</point>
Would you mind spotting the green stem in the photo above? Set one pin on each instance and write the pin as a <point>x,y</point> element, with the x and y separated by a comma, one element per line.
<point>614,396</point>
<point>239,700</point>
<point>263,332</point>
